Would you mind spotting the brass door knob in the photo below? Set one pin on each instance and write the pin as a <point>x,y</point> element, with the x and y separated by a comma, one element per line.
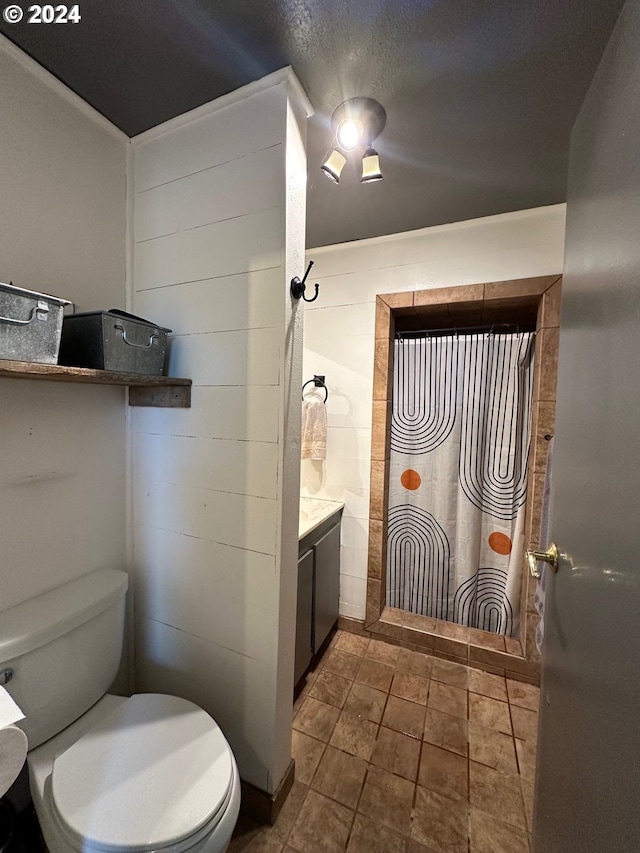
<point>550,556</point>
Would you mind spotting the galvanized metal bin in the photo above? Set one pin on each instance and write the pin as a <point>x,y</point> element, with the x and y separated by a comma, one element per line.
<point>113,340</point>
<point>30,324</point>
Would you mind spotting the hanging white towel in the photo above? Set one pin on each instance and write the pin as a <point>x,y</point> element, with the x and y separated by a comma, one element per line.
<point>314,430</point>
<point>541,586</point>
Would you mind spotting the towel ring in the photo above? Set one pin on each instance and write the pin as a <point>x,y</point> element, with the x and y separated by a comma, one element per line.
<point>318,381</point>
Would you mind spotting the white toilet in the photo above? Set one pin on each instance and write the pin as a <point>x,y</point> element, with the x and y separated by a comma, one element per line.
<point>150,773</point>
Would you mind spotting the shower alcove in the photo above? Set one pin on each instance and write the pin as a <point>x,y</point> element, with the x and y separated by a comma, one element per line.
<point>530,302</point>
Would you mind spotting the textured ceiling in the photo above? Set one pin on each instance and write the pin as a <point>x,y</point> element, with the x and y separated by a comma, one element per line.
<point>480,95</point>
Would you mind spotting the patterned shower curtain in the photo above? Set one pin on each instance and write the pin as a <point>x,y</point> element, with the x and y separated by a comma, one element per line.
<point>458,474</point>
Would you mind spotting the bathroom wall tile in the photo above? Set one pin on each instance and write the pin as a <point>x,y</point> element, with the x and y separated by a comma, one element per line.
<point>440,822</point>
<point>490,713</point>
<point>421,627</point>
<point>489,835</point>
<point>451,631</point>
<point>344,321</point>
<point>377,548</point>
<point>374,600</point>
<point>550,306</point>
<point>353,562</point>
<point>397,753</point>
<point>366,702</point>
<point>440,295</point>
<point>493,748</point>
<point>486,639</point>
<point>379,430</point>
<point>544,425</point>
<point>398,300</point>
<point>316,719</point>
<point>457,648</point>
<point>513,646</point>
<point>321,824</point>
<point>447,699</point>
<point>355,532</point>
<point>496,795</point>
<point>383,322</point>
<point>306,751</point>
<point>521,287</point>
<point>352,592</point>
<point>544,386</point>
<point>355,735</point>
<point>379,490</point>
<point>340,776</point>
<point>444,772</point>
<point>387,799</point>
<point>383,369</point>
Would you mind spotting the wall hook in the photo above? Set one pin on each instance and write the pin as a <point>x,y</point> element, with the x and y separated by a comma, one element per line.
<point>298,287</point>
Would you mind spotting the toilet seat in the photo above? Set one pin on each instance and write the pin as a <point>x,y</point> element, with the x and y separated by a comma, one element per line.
<point>154,774</point>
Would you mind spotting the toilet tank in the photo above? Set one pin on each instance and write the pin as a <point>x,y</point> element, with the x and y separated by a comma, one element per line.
<point>64,649</point>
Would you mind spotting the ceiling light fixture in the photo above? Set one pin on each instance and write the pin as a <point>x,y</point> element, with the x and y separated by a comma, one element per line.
<point>353,121</point>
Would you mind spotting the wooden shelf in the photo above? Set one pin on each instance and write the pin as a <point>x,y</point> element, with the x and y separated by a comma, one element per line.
<point>144,390</point>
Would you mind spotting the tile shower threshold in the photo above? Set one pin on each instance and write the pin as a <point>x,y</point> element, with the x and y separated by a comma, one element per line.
<point>479,649</point>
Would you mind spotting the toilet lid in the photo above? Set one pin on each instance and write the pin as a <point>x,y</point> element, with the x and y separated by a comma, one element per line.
<point>148,775</point>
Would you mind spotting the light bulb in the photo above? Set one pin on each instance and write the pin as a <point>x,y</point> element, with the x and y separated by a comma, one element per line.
<point>349,133</point>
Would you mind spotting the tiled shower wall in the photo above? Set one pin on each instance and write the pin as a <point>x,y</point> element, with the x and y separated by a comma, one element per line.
<point>339,341</point>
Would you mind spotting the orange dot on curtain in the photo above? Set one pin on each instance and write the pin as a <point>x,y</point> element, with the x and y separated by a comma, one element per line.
<point>410,479</point>
<point>500,543</point>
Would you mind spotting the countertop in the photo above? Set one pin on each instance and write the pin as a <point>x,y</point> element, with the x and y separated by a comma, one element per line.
<point>313,511</point>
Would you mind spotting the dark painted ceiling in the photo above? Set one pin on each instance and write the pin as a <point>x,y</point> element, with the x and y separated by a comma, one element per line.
<point>480,94</point>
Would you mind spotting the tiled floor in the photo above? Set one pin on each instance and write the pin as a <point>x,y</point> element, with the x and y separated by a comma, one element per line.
<point>399,752</point>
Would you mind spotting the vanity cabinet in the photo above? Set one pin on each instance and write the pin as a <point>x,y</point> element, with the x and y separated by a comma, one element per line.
<point>318,590</point>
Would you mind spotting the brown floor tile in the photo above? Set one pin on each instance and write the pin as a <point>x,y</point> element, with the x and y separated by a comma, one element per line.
<point>447,699</point>
<point>493,748</point>
<point>340,776</point>
<point>352,643</point>
<point>524,695</point>
<point>331,688</point>
<point>450,673</point>
<point>496,794</point>
<point>444,772</point>
<point>396,753</point>
<point>403,716</point>
<point>489,713</point>
<point>525,723</point>
<point>526,752</point>
<point>370,837</point>
<point>440,823</point>
<point>342,663</point>
<point>316,719</point>
<point>322,826</point>
<point>306,752</point>
<point>374,674</point>
<point>446,731</point>
<point>354,735</point>
<point>415,662</point>
<point>406,685</point>
<point>383,652</point>
<point>366,702</point>
<point>290,810</point>
<point>487,684</point>
<point>489,835</point>
<point>387,799</point>
<point>263,842</point>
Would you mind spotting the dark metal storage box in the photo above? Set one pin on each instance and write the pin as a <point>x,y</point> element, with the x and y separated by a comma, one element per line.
<point>30,325</point>
<point>113,340</point>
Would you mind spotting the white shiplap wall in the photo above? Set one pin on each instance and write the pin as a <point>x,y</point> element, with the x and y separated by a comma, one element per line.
<point>63,231</point>
<point>339,334</point>
<point>218,215</point>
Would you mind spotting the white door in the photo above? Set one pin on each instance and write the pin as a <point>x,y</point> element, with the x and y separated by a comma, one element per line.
<point>588,780</point>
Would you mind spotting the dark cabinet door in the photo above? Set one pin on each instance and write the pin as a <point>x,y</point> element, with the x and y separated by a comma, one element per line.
<point>327,584</point>
<point>304,619</point>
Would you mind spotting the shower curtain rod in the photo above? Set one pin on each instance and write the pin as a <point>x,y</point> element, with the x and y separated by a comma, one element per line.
<point>494,328</point>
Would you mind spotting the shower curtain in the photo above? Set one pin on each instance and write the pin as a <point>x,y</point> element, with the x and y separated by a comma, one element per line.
<point>458,473</point>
